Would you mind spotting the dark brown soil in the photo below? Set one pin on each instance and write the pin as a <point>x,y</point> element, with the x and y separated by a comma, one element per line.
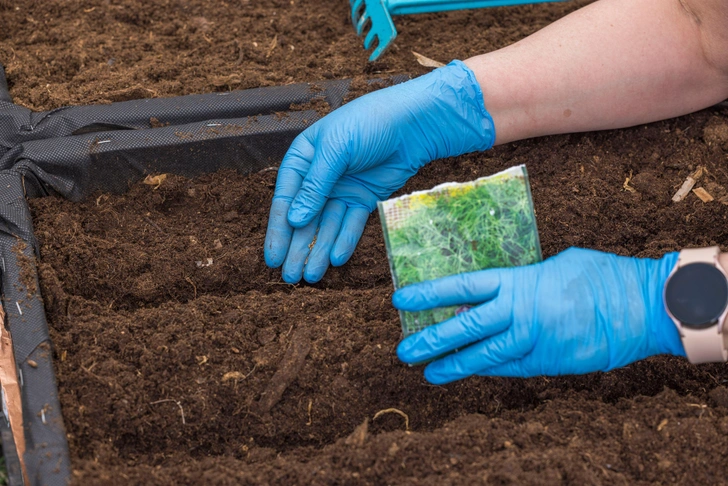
<point>176,372</point>
<point>94,51</point>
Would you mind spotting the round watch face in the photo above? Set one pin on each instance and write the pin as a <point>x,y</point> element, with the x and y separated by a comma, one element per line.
<point>697,295</point>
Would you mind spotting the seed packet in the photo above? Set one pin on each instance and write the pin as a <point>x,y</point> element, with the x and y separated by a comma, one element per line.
<point>457,228</point>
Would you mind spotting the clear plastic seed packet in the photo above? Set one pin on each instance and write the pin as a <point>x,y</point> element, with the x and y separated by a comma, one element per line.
<point>456,228</point>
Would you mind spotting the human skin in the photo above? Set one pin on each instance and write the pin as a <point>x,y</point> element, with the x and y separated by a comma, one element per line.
<point>611,64</point>
<point>595,69</point>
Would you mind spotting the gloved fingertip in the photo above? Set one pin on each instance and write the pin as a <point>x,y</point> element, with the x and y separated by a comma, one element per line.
<point>291,278</point>
<point>435,375</point>
<point>404,350</point>
<point>314,275</point>
<point>341,256</point>
<point>272,253</point>
<point>407,299</point>
<point>299,216</point>
<point>399,299</point>
<point>272,260</point>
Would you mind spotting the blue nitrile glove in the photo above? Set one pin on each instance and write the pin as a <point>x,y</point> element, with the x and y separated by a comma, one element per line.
<point>578,312</point>
<point>335,172</point>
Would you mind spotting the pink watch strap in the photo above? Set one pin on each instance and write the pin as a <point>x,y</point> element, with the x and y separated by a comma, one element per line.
<point>703,345</point>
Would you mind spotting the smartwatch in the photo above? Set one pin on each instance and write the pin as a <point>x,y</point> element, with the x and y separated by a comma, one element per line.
<point>696,299</point>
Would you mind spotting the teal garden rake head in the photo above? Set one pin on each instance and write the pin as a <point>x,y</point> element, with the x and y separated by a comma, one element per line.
<point>375,16</point>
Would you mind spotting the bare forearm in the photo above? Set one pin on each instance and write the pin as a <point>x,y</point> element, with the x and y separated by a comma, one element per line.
<point>612,64</point>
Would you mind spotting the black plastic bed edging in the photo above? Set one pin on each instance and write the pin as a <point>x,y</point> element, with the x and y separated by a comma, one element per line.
<point>76,151</point>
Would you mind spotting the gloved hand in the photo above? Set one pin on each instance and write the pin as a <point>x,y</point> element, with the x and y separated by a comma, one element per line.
<point>335,172</point>
<point>578,312</point>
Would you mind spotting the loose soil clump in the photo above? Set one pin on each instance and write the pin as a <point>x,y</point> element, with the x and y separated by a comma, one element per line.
<point>181,358</point>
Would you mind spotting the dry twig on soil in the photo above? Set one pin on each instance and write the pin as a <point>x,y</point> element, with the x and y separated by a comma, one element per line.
<point>703,194</point>
<point>426,61</point>
<point>688,184</point>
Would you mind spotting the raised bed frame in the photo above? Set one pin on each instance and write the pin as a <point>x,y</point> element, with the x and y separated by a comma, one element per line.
<point>77,151</point>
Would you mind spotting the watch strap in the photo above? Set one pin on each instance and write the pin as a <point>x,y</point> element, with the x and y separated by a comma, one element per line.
<point>698,255</point>
<point>703,345</point>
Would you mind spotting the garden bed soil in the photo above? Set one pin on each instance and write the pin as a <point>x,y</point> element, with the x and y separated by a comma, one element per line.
<point>172,371</point>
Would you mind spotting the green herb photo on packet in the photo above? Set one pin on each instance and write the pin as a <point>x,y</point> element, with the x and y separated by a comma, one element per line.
<point>457,228</point>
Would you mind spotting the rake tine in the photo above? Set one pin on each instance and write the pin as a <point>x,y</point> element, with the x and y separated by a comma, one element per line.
<point>355,6</point>
<point>381,47</point>
<point>379,13</point>
<point>369,39</point>
<point>360,24</point>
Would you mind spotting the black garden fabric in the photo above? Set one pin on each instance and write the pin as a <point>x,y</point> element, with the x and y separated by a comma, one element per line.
<point>77,151</point>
